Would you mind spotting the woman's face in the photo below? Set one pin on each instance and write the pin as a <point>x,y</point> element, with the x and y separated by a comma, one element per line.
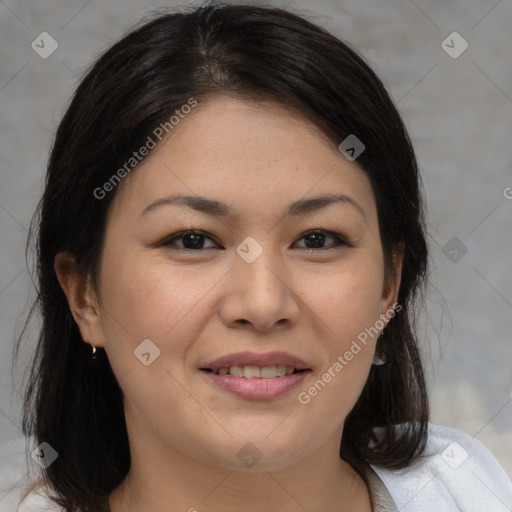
<point>253,281</point>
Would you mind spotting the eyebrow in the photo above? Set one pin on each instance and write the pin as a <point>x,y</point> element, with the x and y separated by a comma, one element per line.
<point>217,208</point>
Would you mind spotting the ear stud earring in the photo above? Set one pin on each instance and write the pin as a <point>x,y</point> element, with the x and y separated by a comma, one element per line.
<point>379,359</point>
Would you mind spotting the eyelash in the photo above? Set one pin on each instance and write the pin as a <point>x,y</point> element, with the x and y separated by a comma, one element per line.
<point>169,241</point>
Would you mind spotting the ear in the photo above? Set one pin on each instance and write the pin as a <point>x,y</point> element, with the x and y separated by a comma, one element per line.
<point>81,298</point>
<point>392,282</point>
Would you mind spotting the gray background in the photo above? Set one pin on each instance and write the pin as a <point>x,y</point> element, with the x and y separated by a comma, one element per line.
<point>458,112</point>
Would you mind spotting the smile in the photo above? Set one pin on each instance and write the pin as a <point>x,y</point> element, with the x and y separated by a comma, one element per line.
<point>256,376</point>
<point>255,372</point>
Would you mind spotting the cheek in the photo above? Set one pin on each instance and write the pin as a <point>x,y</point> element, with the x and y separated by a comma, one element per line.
<point>152,302</point>
<point>347,299</point>
<point>348,304</point>
<point>149,295</point>
<point>157,302</point>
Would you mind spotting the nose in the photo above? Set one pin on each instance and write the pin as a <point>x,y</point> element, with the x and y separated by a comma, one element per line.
<point>261,295</point>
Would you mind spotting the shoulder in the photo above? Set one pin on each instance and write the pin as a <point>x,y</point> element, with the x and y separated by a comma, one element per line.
<point>38,500</point>
<point>456,472</point>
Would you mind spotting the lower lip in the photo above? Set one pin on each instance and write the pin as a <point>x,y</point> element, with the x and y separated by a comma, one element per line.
<point>258,389</point>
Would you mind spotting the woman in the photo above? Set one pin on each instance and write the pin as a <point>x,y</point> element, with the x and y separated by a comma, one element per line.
<point>231,242</point>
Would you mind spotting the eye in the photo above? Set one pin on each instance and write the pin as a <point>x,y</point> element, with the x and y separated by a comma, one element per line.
<point>193,240</point>
<point>316,238</point>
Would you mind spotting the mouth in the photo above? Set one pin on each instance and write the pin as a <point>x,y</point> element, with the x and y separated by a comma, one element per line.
<point>255,376</point>
<point>255,372</point>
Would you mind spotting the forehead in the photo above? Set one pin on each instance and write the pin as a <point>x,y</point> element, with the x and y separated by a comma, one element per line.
<point>246,154</point>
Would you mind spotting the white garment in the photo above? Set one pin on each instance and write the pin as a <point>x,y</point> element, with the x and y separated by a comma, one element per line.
<point>456,474</point>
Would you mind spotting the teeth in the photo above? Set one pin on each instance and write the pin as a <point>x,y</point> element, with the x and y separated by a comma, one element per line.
<point>269,372</point>
<point>255,372</point>
<point>251,372</point>
<point>236,371</point>
<point>281,370</point>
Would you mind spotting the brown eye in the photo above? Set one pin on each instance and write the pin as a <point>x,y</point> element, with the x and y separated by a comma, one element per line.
<point>192,240</point>
<point>315,239</point>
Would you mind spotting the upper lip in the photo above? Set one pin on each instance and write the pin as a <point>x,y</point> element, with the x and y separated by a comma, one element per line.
<point>255,359</point>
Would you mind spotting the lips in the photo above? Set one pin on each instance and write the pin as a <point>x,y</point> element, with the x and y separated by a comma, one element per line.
<point>254,376</point>
<point>256,372</point>
<point>268,359</point>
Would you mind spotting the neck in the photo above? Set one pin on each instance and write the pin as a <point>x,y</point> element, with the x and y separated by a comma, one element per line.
<point>321,482</point>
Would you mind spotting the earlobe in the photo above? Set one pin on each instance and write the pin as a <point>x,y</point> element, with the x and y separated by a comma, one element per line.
<point>79,294</point>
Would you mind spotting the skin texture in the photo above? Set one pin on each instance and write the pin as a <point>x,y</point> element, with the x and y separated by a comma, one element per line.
<point>197,306</point>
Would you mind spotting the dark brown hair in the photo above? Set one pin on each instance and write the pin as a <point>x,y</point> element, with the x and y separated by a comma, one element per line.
<point>74,403</point>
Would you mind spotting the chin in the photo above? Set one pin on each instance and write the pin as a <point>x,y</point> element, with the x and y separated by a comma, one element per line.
<point>255,454</point>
